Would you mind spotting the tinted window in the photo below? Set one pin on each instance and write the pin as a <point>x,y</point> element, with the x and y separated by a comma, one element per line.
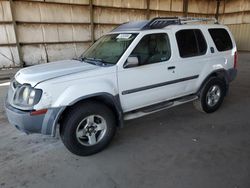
<point>153,48</point>
<point>202,45</point>
<point>191,43</point>
<point>221,39</point>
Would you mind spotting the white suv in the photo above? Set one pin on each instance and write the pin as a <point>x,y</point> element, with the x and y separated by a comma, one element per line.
<point>137,69</point>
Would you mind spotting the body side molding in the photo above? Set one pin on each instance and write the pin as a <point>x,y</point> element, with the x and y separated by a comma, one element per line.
<point>159,85</point>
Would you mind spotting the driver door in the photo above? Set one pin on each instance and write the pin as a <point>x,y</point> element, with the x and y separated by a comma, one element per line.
<point>147,83</point>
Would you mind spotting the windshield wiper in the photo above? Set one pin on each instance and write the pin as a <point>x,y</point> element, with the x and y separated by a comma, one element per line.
<point>87,60</point>
<point>77,59</point>
<point>95,61</point>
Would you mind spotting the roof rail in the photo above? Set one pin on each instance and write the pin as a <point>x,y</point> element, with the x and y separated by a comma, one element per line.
<point>160,22</point>
<point>184,20</point>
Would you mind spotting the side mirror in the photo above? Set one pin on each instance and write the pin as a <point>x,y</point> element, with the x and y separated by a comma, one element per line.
<point>131,62</point>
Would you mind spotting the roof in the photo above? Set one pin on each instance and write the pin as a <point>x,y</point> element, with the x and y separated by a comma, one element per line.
<point>135,26</point>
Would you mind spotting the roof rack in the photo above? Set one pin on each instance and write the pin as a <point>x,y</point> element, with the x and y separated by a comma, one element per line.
<point>161,22</point>
<point>195,19</point>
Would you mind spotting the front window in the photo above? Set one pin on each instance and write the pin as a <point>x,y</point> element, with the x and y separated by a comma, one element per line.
<point>109,48</point>
<point>153,48</point>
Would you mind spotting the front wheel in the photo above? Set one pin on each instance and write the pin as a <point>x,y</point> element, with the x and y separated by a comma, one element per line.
<point>88,128</point>
<point>211,95</point>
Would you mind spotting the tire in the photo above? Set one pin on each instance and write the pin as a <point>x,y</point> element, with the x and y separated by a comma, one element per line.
<point>211,96</point>
<point>88,128</point>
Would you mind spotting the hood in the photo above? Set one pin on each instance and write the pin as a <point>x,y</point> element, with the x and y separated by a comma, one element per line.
<point>39,73</point>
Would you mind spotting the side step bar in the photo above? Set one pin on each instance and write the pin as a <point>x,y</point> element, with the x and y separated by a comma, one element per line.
<point>158,107</point>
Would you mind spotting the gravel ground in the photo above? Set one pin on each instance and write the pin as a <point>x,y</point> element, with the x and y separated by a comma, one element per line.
<point>179,148</point>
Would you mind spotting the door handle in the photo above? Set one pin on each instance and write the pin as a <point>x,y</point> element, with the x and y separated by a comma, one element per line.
<point>172,67</point>
<point>212,49</point>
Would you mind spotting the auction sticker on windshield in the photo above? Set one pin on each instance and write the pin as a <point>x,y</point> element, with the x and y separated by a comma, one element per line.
<point>124,36</point>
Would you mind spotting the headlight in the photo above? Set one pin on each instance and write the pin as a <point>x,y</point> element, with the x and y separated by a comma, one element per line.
<point>26,96</point>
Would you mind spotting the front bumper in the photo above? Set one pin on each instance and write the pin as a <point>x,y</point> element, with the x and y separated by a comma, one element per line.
<point>24,121</point>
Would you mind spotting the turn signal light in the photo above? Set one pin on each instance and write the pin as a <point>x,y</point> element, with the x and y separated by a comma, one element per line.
<point>38,112</point>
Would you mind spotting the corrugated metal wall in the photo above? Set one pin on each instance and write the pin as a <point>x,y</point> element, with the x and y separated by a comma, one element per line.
<point>9,55</point>
<point>236,14</point>
<point>50,30</point>
<point>46,31</point>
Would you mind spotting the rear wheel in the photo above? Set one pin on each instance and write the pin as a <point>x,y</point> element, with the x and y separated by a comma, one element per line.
<point>88,128</point>
<point>211,95</point>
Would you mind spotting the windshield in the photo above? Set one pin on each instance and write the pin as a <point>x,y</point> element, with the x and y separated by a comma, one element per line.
<point>109,48</point>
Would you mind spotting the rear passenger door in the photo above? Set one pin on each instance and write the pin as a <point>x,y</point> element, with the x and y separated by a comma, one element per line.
<point>192,48</point>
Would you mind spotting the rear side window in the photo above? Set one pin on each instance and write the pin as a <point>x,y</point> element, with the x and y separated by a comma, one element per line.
<point>221,39</point>
<point>191,42</point>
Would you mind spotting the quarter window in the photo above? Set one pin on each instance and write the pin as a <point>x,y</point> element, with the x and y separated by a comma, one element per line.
<point>152,48</point>
<point>221,39</point>
<point>191,42</point>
